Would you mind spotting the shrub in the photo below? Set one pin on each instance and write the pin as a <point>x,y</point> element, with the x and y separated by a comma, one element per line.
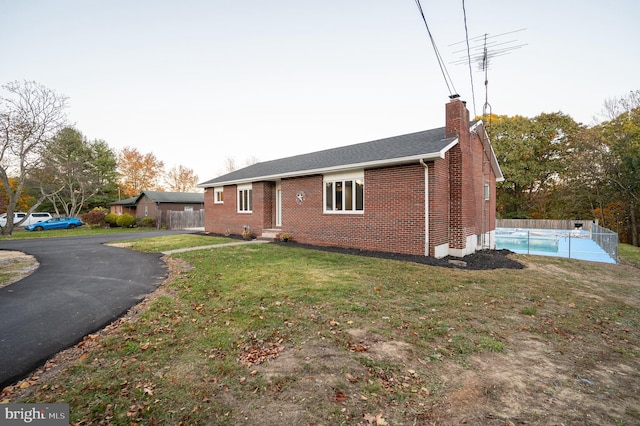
<point>248,234</point>
<point>284,237</point>
<point>111,219</point>
<point>95,217</point>
<point>126,220</point>
<point>147,222</point>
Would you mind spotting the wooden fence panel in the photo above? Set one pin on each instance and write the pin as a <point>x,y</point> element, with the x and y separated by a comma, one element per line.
<point>543,224</point>
<point>186,219</point>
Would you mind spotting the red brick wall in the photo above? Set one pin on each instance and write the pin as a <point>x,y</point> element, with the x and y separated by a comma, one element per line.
<point>225,219</point>
<point>439,203</point>
<point>456,234</point>
<point>456,119</point>
<point>393,218</point>
<point>469,171</point>
<point>267,199</point>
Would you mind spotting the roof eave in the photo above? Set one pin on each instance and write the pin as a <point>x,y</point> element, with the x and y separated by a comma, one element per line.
<point>493,159</point>
<point>336,169</point>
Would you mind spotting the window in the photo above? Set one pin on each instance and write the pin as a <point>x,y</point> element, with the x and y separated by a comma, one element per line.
<point>344,194</point>
<point>245,199</point>
<point>218,195</point>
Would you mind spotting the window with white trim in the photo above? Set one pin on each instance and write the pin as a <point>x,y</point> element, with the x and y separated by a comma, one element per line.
<point>245,199</point>
<point>218,195</point>
<point>344,194</point>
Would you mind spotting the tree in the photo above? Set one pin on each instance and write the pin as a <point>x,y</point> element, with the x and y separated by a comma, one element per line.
<point>230,164</point>
<point>532,155</point>
<point>106,163</point>
<point>181,179</point>
<point>83,169</point>
<point>585,186</point>
<point>24,201</point>
<point>139,172</point>
<point>622,166</point>
<point>30,115</point>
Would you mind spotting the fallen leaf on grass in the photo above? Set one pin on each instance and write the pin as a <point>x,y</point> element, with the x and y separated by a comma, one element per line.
<point>354,347</point>
<point>340,397</point>
<point>375,420</point>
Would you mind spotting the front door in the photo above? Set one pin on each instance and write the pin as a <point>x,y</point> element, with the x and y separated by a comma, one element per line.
<point>278,206</point>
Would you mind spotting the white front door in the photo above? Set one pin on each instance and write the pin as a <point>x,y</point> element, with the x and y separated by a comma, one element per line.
<point>278,206</point>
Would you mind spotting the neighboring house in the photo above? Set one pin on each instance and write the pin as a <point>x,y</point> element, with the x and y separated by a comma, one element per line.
<point>128,205</point>
<point>158,204</point>
<point>430,193</point>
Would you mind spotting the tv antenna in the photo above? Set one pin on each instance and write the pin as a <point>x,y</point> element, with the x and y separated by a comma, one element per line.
<point>484,49</point>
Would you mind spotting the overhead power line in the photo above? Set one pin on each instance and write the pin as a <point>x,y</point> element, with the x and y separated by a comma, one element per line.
<point>466,34</point>
<point>445,74</point>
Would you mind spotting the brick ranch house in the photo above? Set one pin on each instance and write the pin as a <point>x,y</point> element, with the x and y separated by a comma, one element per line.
<point>158,205</point>
<point>430,193</point>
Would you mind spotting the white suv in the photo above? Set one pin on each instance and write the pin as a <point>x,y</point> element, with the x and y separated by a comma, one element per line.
<point>18,216</point>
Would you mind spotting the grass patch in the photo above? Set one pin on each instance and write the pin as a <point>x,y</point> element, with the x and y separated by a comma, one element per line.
<point>267,334</point>
<point>21,233</point>
<point>629,254</point>
<point>172,242</point>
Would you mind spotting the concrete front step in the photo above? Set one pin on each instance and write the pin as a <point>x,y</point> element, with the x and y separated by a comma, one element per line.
<point>269,234</point>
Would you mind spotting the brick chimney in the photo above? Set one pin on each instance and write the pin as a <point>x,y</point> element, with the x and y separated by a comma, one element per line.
<point>457,120</point>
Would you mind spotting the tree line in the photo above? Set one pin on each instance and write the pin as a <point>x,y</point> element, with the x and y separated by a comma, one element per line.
<point>556,168</point>
<point>46,164</point>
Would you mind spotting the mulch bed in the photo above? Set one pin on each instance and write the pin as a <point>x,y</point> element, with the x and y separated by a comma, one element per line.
<point>480,260</point>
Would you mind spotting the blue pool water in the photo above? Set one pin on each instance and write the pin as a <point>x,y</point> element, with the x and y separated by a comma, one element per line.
<point>575,244</point>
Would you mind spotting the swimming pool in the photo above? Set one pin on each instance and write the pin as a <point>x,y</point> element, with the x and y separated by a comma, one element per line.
<point>575,244</point>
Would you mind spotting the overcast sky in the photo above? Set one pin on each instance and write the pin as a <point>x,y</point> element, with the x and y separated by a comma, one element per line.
<point>196,82</point>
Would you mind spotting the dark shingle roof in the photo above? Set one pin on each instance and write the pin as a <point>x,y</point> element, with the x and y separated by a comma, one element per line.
<point>394,150</point>
<point>164,197</point>
<point>126,202</point>
<point>174,197</point>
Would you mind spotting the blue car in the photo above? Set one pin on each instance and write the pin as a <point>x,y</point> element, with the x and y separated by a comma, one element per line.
<point>61,222</point>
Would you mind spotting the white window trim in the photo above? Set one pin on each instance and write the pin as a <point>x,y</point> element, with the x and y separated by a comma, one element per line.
<point>216,191</point>
<point>341,177</point>
<point>240,188</point>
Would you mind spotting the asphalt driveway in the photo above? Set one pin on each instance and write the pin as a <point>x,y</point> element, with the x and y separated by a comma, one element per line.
<point>81,286</point>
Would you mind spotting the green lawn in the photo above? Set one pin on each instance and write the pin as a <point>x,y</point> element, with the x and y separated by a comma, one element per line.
<point>274,334</point>
<point>161,244</point>
<point>629,254</point>
<point>20,233</point>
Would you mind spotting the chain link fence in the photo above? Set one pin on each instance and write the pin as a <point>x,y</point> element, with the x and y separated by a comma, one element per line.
<point>606,239</point>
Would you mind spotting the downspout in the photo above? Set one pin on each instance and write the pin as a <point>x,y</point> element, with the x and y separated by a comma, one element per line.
<point>426,207</point>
